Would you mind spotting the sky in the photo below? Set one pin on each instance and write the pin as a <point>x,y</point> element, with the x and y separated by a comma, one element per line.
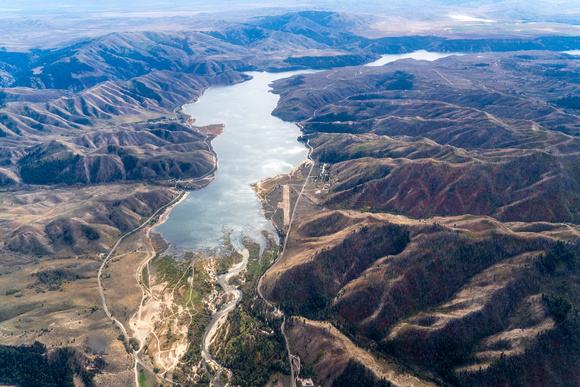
<point>58,6</point>
<point>37,7</point>
<point>63,6</point>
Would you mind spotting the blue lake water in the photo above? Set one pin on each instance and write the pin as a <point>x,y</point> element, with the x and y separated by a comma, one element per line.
<point>418,55</point>
<point>255,145</point>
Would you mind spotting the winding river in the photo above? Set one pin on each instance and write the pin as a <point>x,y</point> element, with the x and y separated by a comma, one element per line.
<point>255,145</point>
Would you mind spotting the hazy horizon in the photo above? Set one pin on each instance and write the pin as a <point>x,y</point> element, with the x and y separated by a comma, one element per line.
<point>36,7</point>
<point>27,24</point>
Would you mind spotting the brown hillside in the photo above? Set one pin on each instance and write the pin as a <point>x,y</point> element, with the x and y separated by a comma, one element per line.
<point>482,135</point>
<point>442,293</point>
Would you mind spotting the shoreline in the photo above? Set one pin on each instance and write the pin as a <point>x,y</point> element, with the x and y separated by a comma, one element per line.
<point>188,118</point>
<point>165,215</point>
<point>163,218</point>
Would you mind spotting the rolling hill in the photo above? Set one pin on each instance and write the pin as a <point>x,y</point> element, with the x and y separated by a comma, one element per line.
<point>438,231</point>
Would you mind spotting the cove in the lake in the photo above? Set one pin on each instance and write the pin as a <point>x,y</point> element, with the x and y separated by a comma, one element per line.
<point>255,145</point>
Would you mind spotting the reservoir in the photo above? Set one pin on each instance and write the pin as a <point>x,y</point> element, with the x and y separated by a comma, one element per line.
<point>255,145</point>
